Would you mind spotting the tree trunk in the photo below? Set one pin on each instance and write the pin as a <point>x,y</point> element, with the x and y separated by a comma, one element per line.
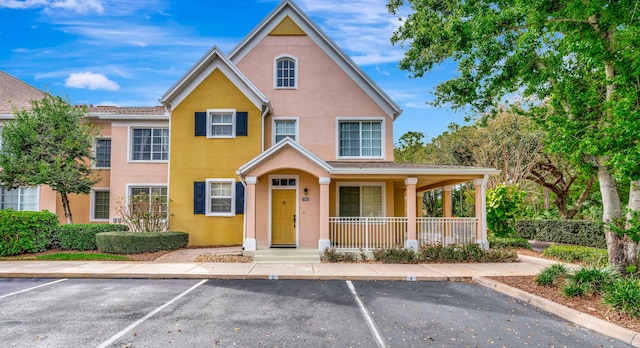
<point>65,206</point>
<point>547,199</point>
<point>632,248</point>
<point>611,211</point>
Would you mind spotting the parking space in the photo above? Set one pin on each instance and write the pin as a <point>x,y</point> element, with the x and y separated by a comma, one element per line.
<point>251,313</point>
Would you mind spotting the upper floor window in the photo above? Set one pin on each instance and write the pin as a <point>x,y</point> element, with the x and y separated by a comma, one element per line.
<point>286,72</point>
<point>150,144</point>
<point>103,153</point>
<point>220,123</point>
<point>284,128</point>
<point>20,199</point>
<point>360,139</point>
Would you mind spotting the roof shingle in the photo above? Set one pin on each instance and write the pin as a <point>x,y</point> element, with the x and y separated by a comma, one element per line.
<point>16,93</point>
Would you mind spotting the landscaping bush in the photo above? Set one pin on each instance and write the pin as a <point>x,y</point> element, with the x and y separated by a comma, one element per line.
<point>499,255</point>
<point>549,276</point>
<point>571,253</point>
<point>332,255</point>
<point>395,255</point>
<point>456,253</point>
<point>505,243</point>
<point>588,280</point>
<point>578,232</point>
<point>140,242</point>
<point>83,236</point>
<point>623,295</point>
<point>26,231</point>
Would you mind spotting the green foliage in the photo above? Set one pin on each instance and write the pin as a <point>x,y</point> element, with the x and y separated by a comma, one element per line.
<point>578,232</point>
<point>624,295</point>
<point>499,255</point>
<point>629,225</point>
<point>395,255</point>
<point>140,242</point>
<point>508,242</point>
<point>460,253</point>
<point>83,236</point>
<point>332,255</point>
<point>410,148</point>
<point>49,144</point>
<point>550,275</point>
<point>503,207</point>
<point>588,280</point>
<point>586,255</point>
<point>26,231</point>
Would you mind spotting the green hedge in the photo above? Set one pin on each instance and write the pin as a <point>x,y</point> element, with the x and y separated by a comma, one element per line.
<point>83,236</point>
<point>505,243</point>
<point>140,242</point>
<point>572,253</point>
<point>578,232</point>
<point>26,231</point>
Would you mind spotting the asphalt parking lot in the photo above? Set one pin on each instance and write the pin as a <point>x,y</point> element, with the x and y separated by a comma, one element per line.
<point>274,313</point>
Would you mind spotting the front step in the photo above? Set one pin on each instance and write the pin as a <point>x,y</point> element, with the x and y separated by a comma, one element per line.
<point>285,255</point>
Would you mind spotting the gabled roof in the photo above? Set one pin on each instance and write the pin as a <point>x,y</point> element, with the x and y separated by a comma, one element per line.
<point>16,93</point>
<point>212,60</point>
<point>273,150</point>
<point>290,9</point>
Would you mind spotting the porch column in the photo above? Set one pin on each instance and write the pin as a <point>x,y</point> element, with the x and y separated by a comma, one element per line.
<point>411,242</point>
<point>324,241</point>
<point>481,211</point>
<point>250,214</point>
<point>419,197</point>
<point>446,201</point>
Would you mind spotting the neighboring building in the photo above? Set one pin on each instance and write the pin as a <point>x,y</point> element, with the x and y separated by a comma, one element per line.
<point>283,142</point>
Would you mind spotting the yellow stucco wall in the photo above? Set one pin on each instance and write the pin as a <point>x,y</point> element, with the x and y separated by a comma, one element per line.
<point>199,158</point>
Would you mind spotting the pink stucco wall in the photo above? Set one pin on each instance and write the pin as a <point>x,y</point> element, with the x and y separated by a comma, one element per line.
<point>325,92</point>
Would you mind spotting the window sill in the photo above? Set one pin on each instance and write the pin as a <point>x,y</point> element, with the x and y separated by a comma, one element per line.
<point>220,214</point>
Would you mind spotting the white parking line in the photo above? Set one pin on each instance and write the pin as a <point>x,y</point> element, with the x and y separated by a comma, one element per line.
<point>143,319</point>
<point>33,288</point>
<point>367,316</point>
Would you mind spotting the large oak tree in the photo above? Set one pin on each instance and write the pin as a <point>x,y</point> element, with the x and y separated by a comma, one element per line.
<point>578,58</point>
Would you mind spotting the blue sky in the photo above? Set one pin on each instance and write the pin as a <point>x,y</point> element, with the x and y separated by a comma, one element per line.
<point>129,52</point>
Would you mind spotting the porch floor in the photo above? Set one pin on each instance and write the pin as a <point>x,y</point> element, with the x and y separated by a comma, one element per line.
<point>286,255</point>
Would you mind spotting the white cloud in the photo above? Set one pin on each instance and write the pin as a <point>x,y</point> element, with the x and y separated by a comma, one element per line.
<point>89,80</point>
<point>79,6</point>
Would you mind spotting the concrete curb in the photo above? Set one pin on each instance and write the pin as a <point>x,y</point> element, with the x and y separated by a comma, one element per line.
<point>585,320</point>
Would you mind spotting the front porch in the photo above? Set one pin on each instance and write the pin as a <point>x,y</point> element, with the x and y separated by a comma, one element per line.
<point>370,233</point>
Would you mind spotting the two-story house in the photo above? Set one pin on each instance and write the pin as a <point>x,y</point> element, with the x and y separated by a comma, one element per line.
<point>282,142</point>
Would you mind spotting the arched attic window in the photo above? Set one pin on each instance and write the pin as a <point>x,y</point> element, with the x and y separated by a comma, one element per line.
<point>286,72</point>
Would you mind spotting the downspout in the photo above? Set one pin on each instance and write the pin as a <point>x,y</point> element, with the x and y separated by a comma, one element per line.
<point>264,115</point>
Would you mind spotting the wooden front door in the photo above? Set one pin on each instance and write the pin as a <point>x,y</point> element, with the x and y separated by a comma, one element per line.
<point>283,217</point>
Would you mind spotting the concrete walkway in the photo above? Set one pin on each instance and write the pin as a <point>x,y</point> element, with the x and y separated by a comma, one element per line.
<point>317,271</point>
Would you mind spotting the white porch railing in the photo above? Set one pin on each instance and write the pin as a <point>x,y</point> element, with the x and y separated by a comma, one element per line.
<point>446,230</point>
<point>370,233</point>
<point>367,233</point>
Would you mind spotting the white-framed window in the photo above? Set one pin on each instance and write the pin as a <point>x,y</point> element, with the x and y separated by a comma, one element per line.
<point>286,72</point>
<point>285,128</point>
<point>155,194</point>
<point>360,139</point>
<point>361,199</point>
<point>100,205</point>
<point>149,144</point>
<point>20,199</point>
<point>103,153</point>
<point>220,197</point>
<point>221,123</point>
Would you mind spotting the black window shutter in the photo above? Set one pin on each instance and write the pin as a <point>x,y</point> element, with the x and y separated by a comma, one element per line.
<point>201,124</point>
<point>242,123</point>
<point>239,198</point>
<point>199,188</point>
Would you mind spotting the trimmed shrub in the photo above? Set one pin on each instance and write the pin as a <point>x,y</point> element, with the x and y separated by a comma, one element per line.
<point>499,255</point>
<point>83,236</point>
<point>26,231</point>
<point>140,242</point>
<point>332,255</point>
<point>505,243</point>
<point>395,255</point>
<point>572,253</point>
<point>458,253</point>
<point>578,232</point>
<point>623,295</point>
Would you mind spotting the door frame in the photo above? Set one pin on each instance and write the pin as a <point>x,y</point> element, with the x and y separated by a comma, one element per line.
<point>297,195</point>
